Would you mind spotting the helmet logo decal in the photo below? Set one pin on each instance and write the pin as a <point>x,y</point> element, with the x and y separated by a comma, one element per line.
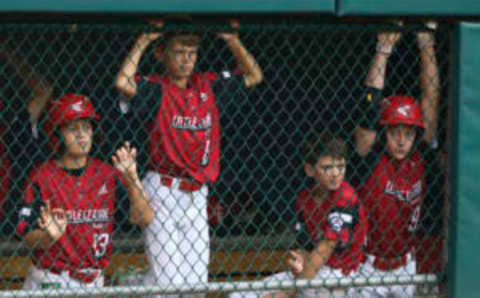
<point>404,110</point>
<point>78,106</point>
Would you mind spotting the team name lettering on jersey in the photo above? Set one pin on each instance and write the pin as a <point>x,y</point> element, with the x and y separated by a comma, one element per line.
<point>192,122</point>
<point>404,195</point>
<point>87,216</point>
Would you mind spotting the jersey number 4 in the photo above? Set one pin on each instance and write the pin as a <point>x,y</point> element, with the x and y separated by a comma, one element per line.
<point>100,243</point>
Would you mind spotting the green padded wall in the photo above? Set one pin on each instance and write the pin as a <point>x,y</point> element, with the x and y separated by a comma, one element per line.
<point>464,236</point>
<point>408,7</point>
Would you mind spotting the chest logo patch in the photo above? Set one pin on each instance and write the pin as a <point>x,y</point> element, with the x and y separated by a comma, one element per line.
<point>337,220</point>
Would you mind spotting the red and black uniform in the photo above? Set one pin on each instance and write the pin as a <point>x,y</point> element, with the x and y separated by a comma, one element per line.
<point>392,190</point>
<point>184,136</point>
<point>339,217</point>
<point>393,196</point>
<point>88,196</point>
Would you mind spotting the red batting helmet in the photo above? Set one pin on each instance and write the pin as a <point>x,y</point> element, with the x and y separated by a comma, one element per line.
<point>71,107</point>
<point>401,109</point>
<point>68,108</point>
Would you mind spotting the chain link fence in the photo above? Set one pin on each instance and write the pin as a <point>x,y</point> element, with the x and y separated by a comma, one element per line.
<point>280,111</point>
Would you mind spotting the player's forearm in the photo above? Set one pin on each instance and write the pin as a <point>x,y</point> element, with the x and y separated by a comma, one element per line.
<point>42,93</point>
<point>376,74</point>
<point>141,213</point>
<point>430,84</point>
<point>41,90</point>
<point>317,258</point>
<point>246,61</point>
<point>124,82</point>
<point>39,239</point>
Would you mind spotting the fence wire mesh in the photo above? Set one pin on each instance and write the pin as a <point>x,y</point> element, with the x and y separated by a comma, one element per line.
<point>267,151</point>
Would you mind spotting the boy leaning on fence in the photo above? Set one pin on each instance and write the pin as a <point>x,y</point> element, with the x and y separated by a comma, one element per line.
<point>393,136</point>
<point>180,108</point>
<point>67,212</point>
<point>331,222</point>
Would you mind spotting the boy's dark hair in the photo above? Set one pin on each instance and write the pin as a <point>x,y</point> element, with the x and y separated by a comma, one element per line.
<point>317,145</point>
<point>189,39</point>
<point>181,33</point>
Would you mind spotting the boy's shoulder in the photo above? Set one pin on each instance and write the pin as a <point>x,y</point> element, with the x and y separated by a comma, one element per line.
<point>345,195</point>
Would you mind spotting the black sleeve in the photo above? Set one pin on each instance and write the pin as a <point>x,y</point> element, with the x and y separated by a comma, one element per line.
<point>228,85</point>
<point>344,218</point>
<point>367,111</point>
<point>303,239</point>
<point>30,212</point>
<point>359,167</point>
<point>125,119</point>
<point>126,114</point>
<point>147,101</point>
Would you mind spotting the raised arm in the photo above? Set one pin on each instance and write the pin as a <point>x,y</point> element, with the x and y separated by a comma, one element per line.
<point>365,133</point>
<point>245,60</point>
<point>429,82</point>
<point>125,80</point>
<point>124,160</point>
<point>41,90</point>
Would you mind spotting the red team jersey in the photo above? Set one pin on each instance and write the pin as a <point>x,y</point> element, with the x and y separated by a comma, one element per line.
<point>340,217</point>
<point>88,200</point>
<point>185,136</point>
<point>393,195</point>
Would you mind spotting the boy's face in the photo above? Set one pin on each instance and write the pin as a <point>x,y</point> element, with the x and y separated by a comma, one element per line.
<point>180,59</point>
<point>328,172</point>
<point>77,136</point>
<point>400,140</point>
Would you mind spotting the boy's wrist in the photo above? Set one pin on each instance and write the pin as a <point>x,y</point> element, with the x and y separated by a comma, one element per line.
<point>385,49</point>
<point>233,41</point>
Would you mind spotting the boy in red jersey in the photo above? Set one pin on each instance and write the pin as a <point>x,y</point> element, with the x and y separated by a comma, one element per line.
<point>184,146</point>
<point>67,217</point>
<point>331,223</point>
<point>394,183</point>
